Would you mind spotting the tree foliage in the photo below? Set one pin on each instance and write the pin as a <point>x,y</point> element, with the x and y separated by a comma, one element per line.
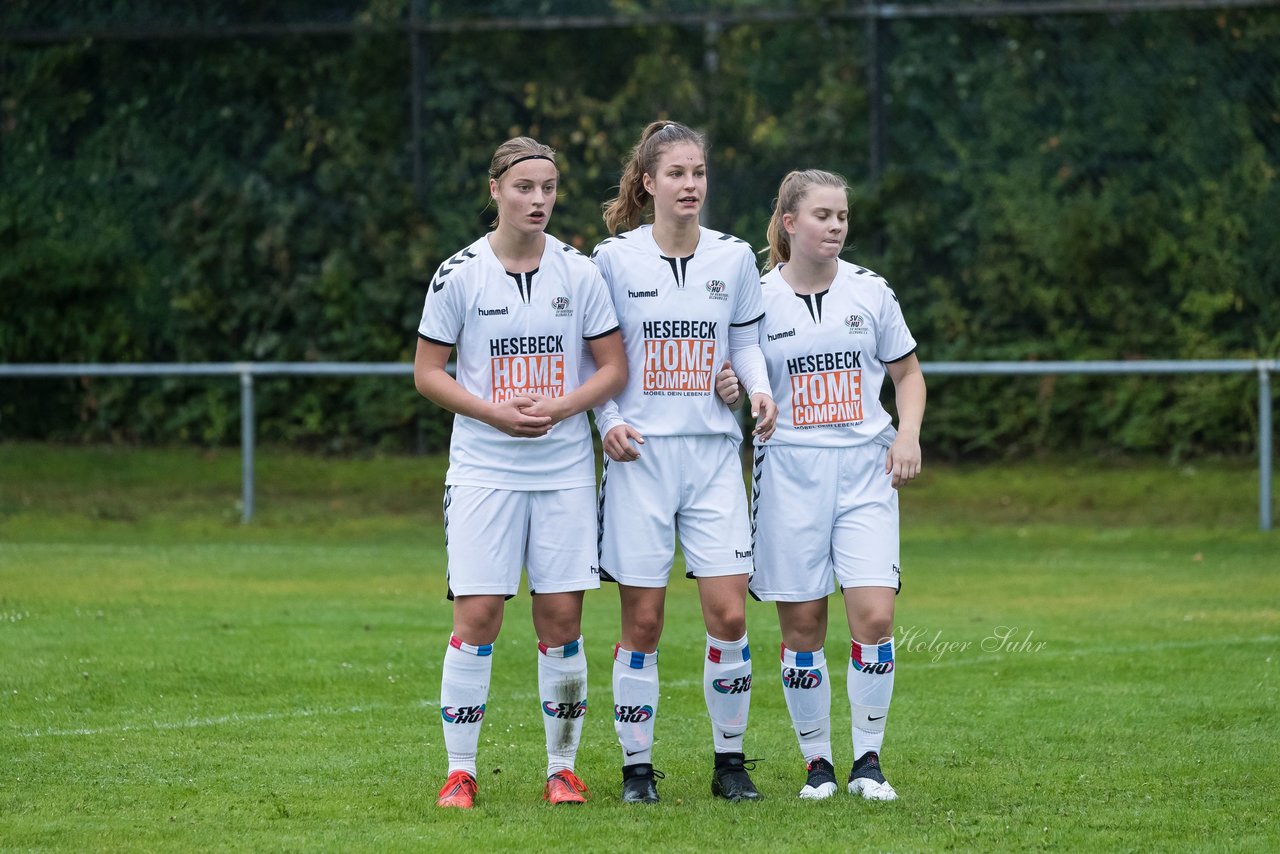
<point>1061,187</point>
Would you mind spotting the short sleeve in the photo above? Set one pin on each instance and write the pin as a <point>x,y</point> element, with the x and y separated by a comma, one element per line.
<point>749,299</point>
<point>443,310</point>
<point>599,317</point>
<point>894,341</point>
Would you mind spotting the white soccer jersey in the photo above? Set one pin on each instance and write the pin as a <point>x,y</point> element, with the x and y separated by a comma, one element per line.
<point>826,354</point>
<point>518,333</point>
<point>675,315</point>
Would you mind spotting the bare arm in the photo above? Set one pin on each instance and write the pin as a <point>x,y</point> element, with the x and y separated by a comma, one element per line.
<point>904,458</point>
<point>434,383</point>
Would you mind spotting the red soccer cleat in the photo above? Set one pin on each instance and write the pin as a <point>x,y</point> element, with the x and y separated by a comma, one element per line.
<point>564,787</point>
<point>458,791</point>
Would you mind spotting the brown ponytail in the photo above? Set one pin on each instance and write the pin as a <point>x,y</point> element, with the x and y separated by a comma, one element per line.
<point>625,209</point>
<point>795,186</point>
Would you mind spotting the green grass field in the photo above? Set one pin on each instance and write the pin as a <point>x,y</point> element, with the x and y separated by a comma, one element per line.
<point>1087,660</point>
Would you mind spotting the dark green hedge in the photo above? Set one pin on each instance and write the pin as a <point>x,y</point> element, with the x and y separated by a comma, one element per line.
<point>1087,187</point>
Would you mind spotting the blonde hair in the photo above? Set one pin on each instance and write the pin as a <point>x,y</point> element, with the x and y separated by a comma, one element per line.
<point>626,208</point>
<point>515,150</point>
<point>791,192</point>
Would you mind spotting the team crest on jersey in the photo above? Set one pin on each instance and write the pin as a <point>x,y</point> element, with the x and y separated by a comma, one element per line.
<point>857,324</point>
<point>716,289</point>
<point>561,305</point>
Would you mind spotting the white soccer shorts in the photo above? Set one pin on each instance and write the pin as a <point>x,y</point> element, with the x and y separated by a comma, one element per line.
<point>822,517</point>
<point>686,486</point>
<point>491,533</point>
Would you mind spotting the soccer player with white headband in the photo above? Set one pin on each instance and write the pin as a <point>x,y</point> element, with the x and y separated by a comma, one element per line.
<point>518,305</point>
<point>688,299</point>
<point>825,503</point>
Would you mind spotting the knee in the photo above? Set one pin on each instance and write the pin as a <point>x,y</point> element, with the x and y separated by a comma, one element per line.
<point>477,625</point>
<point>804,634</point>
<point>642,631</point>
<point>875,628</point>
<point>727,621</point>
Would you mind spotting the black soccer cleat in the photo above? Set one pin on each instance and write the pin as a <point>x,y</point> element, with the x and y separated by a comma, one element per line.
<point>821,782</point>
<point>730,779</point>
<point>640,784</point>
<point>866,779</point>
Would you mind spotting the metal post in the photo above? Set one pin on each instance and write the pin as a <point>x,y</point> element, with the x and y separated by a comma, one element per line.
<point>417,63</point>
<point>876,112</point>
<point>711,67</point>
<point>875,97</point>
<point>1264,448</point>
<point>246,443</point>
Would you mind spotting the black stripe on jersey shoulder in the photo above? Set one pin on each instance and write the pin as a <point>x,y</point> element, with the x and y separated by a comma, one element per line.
<point>753,320</point>
<point>571,250</point>
<point>900,358</point>
<point>428,338</point>
<point>458,259</point>
<point>732,239</point>
<point>871,274</point>
<point>606,242</point>
<point>601,335</point>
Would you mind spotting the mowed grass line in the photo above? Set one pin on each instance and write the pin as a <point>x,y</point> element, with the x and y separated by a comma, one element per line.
<point>170,679</point>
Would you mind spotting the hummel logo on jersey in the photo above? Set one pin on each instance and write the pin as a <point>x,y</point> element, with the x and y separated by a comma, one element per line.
<point>799,677</point>
<point>642,294</point>
<point>741,554</point>
<point>564,711</point>
<point>790,333</point>
<point>632,714</point>
<point>741,685</point>
<point>716,290</point>
<point>462,714</point>
<point>490,312</point>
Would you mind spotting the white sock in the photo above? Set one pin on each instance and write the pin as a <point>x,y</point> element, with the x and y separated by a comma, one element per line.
<point>870,690</point>
<point>562,685</point>
<point>635,703</point>
<point>464,690</point>
<point>806,686</point>
<point>726,685</point>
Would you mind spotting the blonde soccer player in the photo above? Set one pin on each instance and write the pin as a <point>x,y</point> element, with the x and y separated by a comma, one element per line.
<point>518,305</point>
<point>825,503</point>
<point>688,298</point>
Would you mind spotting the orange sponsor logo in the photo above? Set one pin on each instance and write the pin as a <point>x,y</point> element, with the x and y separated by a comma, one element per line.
<point>826,397</point>
<point>679,365</point>
<point>514,376</point>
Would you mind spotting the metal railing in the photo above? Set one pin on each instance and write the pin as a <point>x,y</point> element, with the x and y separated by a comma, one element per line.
<point>246,371</point>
